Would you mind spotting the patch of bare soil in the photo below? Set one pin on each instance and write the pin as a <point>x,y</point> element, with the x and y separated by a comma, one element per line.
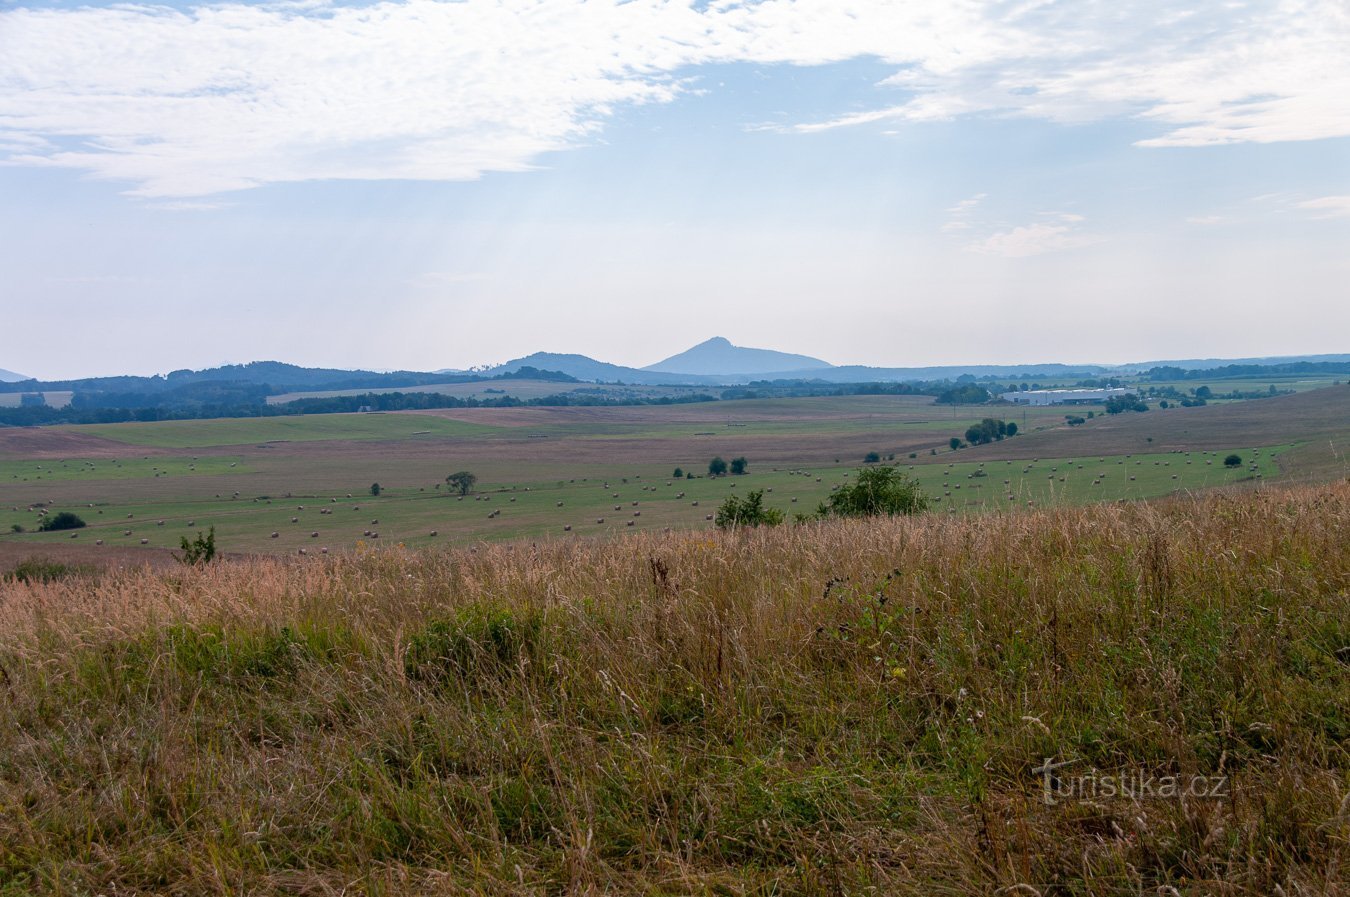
<point>44,442</point>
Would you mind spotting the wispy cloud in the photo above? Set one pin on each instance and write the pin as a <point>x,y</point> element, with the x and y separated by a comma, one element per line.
<point>230,96</point>
<point>1037,239</point>
<point>959,216</point>
<point>1327,206</point>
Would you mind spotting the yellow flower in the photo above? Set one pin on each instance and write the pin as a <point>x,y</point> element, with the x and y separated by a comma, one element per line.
<point>897,672</point>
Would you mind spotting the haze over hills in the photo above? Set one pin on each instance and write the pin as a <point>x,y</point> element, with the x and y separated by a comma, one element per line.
<point>718,356</point>
<point>713,363</point>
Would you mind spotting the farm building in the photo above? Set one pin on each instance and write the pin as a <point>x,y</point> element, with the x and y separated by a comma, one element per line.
<point>1062,396</point>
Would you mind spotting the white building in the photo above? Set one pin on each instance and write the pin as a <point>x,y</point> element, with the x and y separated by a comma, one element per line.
<point>1063,396</point>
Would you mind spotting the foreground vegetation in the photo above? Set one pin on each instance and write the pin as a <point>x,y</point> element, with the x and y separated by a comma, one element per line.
<point>815,709</point>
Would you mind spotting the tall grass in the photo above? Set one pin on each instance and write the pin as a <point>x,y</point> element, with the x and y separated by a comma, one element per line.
<point>836,708</point>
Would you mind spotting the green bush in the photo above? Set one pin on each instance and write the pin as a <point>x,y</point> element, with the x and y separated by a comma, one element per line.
<point>1233,461</point>
<point>43,570</point>
<point>876,491</point>
<point>748,511</point>
<point>63,520</point>
<point>201,550</point>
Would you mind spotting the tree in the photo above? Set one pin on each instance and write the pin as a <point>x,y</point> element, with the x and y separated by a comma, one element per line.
<point>954,442</point>
<point>1204,392</point>
<point>374,488</point>
<point>876,491</point>
<point>969,394</point>
<point>1127,402</point>
<point>461,481</point>
<point>1012,429</point>
<point>738,466</point>
<point>1233,461</point>
<point>679,473</point>
<point>198,551</point>
<point>63,520</point>
<point>987,430</point>
<point>748,511</point>
<point>717,467</point>
<point>871,458</point>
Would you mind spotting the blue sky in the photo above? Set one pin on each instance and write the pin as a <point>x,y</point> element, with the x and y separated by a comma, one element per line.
<point>427,184</point>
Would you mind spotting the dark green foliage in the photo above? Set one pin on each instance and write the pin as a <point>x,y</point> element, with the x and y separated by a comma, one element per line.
<point>739,466</point>
<point>872,458</point>
<point>63,520</point>
<point>954,442</point>
<point>969,394</point>
<point>201,550</point>
<point>876,491</point>
<point>717,467</point>
<point>42,570</point>
<point>1233,461</point>
<point>462,481</point>
<point>375,489</point>
<point>679,473</point>
<point>477,641</point>
<point>1128,402</point>
<point>988,430</point>
<point>748,511</point>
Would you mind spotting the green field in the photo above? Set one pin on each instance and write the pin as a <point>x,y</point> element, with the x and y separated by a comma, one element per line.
<point>543,471</point>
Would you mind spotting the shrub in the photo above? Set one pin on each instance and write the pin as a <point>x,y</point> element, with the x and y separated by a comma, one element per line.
<point>876,491</point>
<point>63,520</point>
<point>42,570</point>
<point>717,467</point>
<point>375,489</point>
<point>679,473</point>
<point>201,550</point>
<point>748,511</point>
<point>739,466</point>
<point>1233,461</point>
<point>871,458</point>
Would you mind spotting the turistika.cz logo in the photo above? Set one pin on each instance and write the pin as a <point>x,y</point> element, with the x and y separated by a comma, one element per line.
<point>1057,786</point>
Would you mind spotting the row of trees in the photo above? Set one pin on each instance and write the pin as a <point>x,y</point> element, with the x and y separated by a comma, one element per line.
<point>717,467</point>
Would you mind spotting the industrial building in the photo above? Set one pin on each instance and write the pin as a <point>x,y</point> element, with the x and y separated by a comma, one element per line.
<point>1063,396</point>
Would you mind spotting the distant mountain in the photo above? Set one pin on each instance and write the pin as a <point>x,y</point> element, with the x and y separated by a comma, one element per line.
<point>718,357</point>
<point>585,368</point>
<point>11,377</point>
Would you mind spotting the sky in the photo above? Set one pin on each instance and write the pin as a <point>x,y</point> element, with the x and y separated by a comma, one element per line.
<point>427,184</point>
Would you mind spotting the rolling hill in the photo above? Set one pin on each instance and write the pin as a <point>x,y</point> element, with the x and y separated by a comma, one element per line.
<point>718,357</point>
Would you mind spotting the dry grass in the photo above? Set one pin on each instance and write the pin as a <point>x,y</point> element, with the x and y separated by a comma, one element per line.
<point>842,708</point>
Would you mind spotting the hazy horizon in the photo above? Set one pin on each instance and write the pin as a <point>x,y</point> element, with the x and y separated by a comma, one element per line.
<point>425,185</point>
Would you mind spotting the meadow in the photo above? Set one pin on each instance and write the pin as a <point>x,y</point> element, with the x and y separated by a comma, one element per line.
<point>911,706</point>
<point>577,473</point>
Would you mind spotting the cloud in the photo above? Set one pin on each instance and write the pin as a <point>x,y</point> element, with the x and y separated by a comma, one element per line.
<point>1327,206</point>
<point>959,215</point>
<point>1034,239</point>
<point>222,97</point>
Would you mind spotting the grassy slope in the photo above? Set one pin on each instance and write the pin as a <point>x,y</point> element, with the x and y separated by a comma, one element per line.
<point>808,710</point>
